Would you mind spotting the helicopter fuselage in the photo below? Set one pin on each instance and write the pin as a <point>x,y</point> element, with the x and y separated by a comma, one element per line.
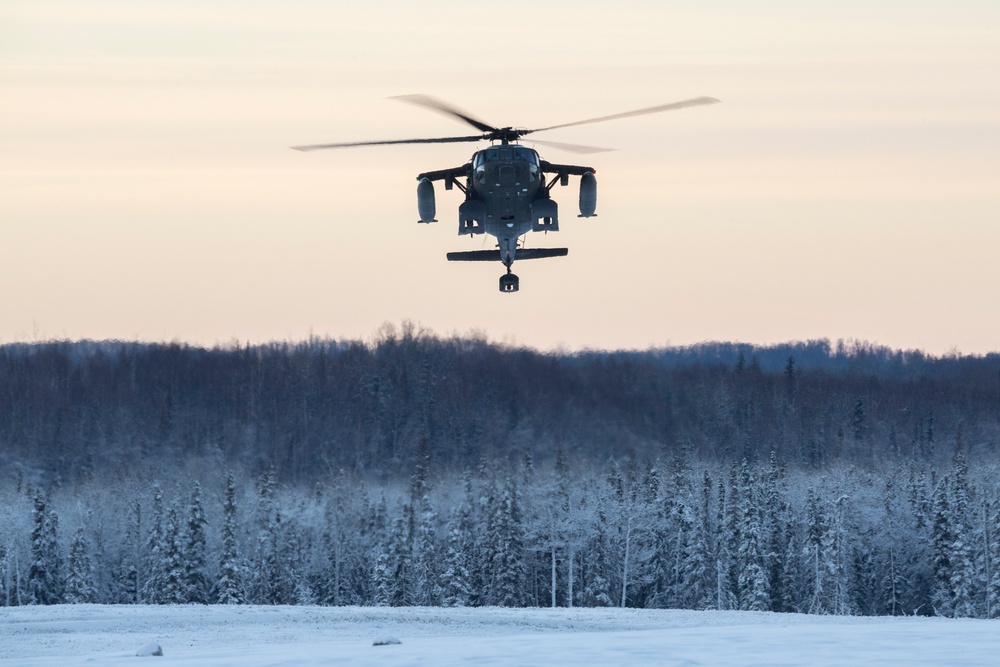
<point>506,196</point>
<point>507,180</point>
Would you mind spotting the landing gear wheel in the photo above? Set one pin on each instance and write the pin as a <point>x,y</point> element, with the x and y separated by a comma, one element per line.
<point>509,283</point>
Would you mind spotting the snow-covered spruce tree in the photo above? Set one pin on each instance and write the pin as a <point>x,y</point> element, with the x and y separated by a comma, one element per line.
<point>376,584</point>
<point>660,512</point>
<point>887,541</point>
<point>596,572</point>
<point>489,543</point>
<point>197,586</point>
<point>262,573</point>
<point>383,588</point>
<point>866,578</point>
<point>126,578</point>
<point>341,541</point>
<point>792,578</point>
<point>681,516</point>
<point>724,593</point>
<point>151,590</point>
<point>45,576</point>
<point>231,569</point>
<point>364,531</point>
<point>697,576</point>
<point>942,540</point>
<point>424,566</point>
<point>700,576</point>
<point>295,586</point>
<point>776,522</point>
<point>963,567</point>
<point>456,576</point>
<point>456,590</point>
<point>282,563</point>
<point>80,574</point>
<point>174,589</point>
<point>671,537</point>
<point>916,547</point>
<point>836,551</point>
<point>815,566</point>
<point>505,553</point>
<point>754,586</point>
<point>580,520</point>
<point>399,565</point>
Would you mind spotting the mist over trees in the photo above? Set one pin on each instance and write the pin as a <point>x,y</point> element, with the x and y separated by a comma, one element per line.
<point>419,470</point>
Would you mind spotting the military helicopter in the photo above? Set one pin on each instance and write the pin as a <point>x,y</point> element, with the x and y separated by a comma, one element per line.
<point>506,191</point>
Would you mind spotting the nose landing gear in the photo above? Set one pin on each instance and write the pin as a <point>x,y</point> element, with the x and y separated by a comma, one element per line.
<point>509,282</point>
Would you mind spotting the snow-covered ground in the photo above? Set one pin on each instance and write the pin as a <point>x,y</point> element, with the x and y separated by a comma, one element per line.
<point>305,636</point>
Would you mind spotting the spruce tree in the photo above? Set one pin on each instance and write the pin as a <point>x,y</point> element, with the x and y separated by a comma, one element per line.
<point>424,570</point>
<point>231,570</point>
<point>174,589</point>
<point>813,552</point>
<point>963,583</point>
<point>341,540</point>
<point>835,555</point>
<point>45,576</point>
<point>697,576</point>
<point>726,546</point>
<point>151,591</point>
<point>127,578</point>
<point>507,572</point>
<point>262,577</point>
<point>596,574</point>
<point>195,579</point>
<point>383,589</point>
<point>80,575</point>
<point>399,565</point>
<point>455,579</point>
<point>943,541</point>
<point>754,585</point>
<point>457,584</point>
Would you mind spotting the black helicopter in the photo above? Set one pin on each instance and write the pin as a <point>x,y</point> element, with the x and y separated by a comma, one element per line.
<point>506,192</point>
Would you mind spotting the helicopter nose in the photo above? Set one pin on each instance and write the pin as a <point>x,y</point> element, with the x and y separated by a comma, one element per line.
<point>507,175</point>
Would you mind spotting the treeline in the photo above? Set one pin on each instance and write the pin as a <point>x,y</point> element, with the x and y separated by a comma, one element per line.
<point>664,533</point>
<point>72,411</point>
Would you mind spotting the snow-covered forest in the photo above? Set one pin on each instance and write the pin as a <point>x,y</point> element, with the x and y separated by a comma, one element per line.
<point>414,470</point>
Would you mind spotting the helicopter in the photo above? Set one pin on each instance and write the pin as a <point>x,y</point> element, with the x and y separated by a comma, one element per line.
<point>506,185</point>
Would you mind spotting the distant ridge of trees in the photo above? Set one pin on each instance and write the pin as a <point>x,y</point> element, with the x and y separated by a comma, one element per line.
<point>850,356</point>
<point>83,408</point>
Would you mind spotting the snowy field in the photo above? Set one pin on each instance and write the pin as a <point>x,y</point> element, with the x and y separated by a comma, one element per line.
<point>304,636</point>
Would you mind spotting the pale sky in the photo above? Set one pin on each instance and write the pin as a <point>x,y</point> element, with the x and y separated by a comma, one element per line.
<point>847,187</point>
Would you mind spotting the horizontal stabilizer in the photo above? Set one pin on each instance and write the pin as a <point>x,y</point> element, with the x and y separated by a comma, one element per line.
<point>541,253</point>
<point>494,255</point>
<point>475,256</point>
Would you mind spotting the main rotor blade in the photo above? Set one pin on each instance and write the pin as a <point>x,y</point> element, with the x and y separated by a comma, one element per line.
<point>572,148</point>
<point>445,108</point>
<point>442,140</point>
<point>638,112</point>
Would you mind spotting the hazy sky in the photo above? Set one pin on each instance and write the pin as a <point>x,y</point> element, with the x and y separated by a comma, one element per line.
<point>847,187</point>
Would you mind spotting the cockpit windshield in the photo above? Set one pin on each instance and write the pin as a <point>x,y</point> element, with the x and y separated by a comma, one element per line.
<point>506,154</point>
